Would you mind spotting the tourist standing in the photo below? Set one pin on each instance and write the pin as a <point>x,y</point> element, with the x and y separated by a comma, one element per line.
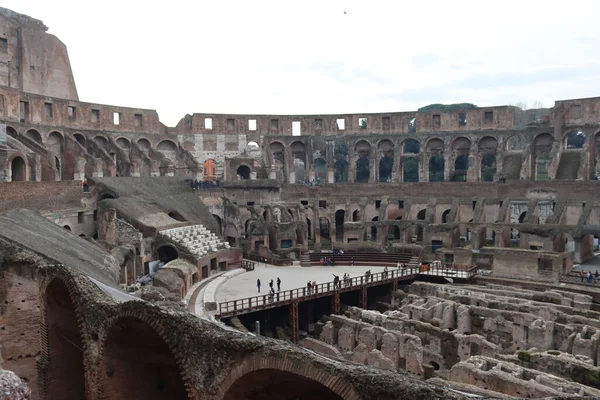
<point>258,285</point>
<point>278,284</point>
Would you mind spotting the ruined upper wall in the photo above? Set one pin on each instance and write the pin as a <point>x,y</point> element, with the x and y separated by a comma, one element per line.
<point>484,118</point>
<point>43,110</point>
<point>32,60</point>
<point>577,111</point>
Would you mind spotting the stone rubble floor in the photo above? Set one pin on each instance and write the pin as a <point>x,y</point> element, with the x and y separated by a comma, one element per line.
<point>244,285</point>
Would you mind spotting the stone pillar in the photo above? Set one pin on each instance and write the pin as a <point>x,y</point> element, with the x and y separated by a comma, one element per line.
<point>253,175</point>
<point>352,168</point>
<point>273,172</point>
<point>107,225</point>
<point>448,164</point>
<point>330,175</point>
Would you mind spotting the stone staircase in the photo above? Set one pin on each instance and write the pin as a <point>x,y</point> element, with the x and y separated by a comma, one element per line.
<point>196,239</point>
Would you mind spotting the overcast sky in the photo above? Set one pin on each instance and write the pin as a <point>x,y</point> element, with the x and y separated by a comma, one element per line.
<point>309,57</point>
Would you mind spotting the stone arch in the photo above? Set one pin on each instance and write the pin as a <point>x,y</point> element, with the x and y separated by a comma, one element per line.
<point>461,148</point>
<point>373,231</point>
<point>277,153</point>
<point>436,161</point>
<point>79,138</point>
<point>231,234</point>
<point>411,146</point>
<point>298,150</point>
<point>386,162</point>
<point>445,218</point>
<point>243,171</point>
<point>321,169</point>
<point>63,343</point>
<point>324,228</point>
<point>574,140</point>
<point>123,371</point>
<point>33,135</point>
<point>340,173</point>
<point>123,143</point>
<point>362,150</point>
<point>102,142</point>
<point>563,242</point>
<point>516,143</point>
<point>279,377</point>
<point>144,144</point>
<point>488,167</point>
<point>356,215</point>
<point>54,142</point>
<point>18,169</point>
<point>167,252</point>
<point>252,146</point>
<point>410,170</point>
<point>340,217</point>
<point>168,148</point>
<point>542,145</point>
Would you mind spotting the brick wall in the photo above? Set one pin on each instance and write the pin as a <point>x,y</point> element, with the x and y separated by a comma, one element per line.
<point>20,324</point>
<point>40,196</point>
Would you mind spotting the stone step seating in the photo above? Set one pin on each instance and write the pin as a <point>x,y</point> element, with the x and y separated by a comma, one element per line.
<point>196,239</point>
<point>366,259</point>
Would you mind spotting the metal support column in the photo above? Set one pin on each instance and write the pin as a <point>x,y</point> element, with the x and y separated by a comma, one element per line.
<point>294,321</point>
<point>335,308</point>
<point>394,285</point>
<point>363,297</point>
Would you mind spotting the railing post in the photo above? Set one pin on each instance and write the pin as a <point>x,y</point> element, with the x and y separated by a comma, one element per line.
<point>234,305</point>
<point>250,302</point>
<point>291,294</point>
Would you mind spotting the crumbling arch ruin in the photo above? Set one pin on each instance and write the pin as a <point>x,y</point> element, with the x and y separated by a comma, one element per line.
<point>18,169</point>
<point>64,375</point>
<point>138,361</point>
<point>259,374</point>
<point>362,151</point>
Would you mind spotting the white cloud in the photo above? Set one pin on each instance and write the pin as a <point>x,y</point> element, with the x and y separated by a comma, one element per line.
<point>309,57</point>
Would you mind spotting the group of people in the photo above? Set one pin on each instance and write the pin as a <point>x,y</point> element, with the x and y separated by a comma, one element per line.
<point>311,287</point>
<point>271,288</point>
<point>338,251</point>
<point>327,261</point>
<point>589,276</point>
<point>196,184</point>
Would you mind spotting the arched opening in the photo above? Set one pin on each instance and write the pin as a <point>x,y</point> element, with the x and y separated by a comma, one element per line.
<point>340,216</point>
<point>445,216</point>
<point>278,158</point>
<point>563,242</point>
<point>299,160</point>
<point>277,384</point>
<point>386,162</point>
<point>340,173</point>
<point>67,227</point>
<point>273,237</point>
<point>169,149</point>
<point>144,144</point>
<point>411,146</point>
<point>436,169</point>
<point>107,196</point>
<point>209,168</point>
<point>461,165</point>
<point>123,143</point>
<point>324,228</point>
<point>362,170</point>
<point>218,219</point>
<point>461,148</point>
<point>34,135</point>
<point>421,214</point>
<point>17,168</point>
<point>434,365</point>
<point>102,142</point>
<point>417,234</point>
<point>410,170</point>
<point>243,171</point>
<point>176,216</point>
<point>79,138</point>
<point>575,140</point>
<point>321,170</point>
<point>167,253</point>
<point>516,143</point>
<point>127,375</point>
<point>363,154</point>
<point>373,235</point>
<point>65,377</point>
<point>355,217</point>
<point>488,168</point>
<point>252,146</point>
<point>396,232</point>
<point>541,167</point>
<point>231,234</point>
<point>522,217</point>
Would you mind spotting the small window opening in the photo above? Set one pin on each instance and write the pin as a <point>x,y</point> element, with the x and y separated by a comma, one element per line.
<point>207,123</point>
<point>296,128</point>
<point>362,123</point>
<point>3,45</point>
<point>139,120</point>
<point>80,217</point>
<point>117,118</point>
<point>386,123</point>
<point>377,203</point>
<point>48,110</point>
<point>400,203</point>
<point>230,123</point>
<point>462,119</point>
<point>275,125</point>
<point>488,117</point>
<point>341,123</point>
<point>322,203</point>
<point>412,125</point>
<point>437,120</point>
<point>72,112</point>
<point>251,124</point>
<point>304,202</point>
<point>95,116</point>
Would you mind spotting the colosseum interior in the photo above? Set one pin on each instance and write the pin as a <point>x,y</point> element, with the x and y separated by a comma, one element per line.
<point>119,234</point>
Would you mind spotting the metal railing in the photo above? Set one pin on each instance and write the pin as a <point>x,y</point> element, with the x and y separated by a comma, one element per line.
<point>249,304</point>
